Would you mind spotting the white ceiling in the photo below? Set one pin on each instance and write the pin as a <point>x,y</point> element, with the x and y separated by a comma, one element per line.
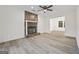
<point>58,10</point>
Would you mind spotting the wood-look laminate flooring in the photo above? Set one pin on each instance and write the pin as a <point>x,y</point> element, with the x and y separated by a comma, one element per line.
<point>47,43</point>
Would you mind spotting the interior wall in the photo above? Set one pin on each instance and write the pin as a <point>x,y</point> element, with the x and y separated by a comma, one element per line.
<point>43,24</point>
<point>77,24</point>
<point>11,23</point>
<point>70,24</point>
<point>54,24</point>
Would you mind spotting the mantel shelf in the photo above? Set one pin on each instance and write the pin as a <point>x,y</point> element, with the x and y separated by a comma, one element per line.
<point>30,21</point>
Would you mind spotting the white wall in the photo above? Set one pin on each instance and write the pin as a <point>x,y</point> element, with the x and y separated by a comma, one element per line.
<point>54,24</point>
<point>43,24</point>
<point>11,23</point>
<point>70,24</point>
<point>77,24</point>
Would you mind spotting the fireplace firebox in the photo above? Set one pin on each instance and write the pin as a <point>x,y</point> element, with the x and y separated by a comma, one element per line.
<point>32,29</point>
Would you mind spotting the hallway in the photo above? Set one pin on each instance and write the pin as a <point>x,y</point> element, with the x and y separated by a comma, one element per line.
<point>47,43</point>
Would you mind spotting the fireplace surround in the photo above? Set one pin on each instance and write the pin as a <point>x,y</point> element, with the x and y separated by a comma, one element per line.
<point>30,24</point>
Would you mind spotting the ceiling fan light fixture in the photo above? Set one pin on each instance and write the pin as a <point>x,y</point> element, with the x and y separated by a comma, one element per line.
<point>45,10</point>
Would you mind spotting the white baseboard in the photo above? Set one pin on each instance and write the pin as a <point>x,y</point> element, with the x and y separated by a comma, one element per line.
<point>69,35</point>
<point>11,39</point>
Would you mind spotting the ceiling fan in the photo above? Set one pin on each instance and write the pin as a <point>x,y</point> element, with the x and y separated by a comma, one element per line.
<point>45,8</point>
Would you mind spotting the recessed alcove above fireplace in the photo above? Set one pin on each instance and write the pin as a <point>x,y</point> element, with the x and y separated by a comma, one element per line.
<point>30,23</point>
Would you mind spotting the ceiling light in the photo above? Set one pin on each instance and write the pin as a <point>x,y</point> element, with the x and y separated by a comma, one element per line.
<point>44,10</point>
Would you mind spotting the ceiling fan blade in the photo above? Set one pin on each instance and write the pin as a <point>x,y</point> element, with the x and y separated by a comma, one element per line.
<point>49,9</point>
<point>41,7</point>
<point>50,6</point>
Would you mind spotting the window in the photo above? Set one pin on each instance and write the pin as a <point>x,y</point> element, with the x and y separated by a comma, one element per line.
<point>60,24</point>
